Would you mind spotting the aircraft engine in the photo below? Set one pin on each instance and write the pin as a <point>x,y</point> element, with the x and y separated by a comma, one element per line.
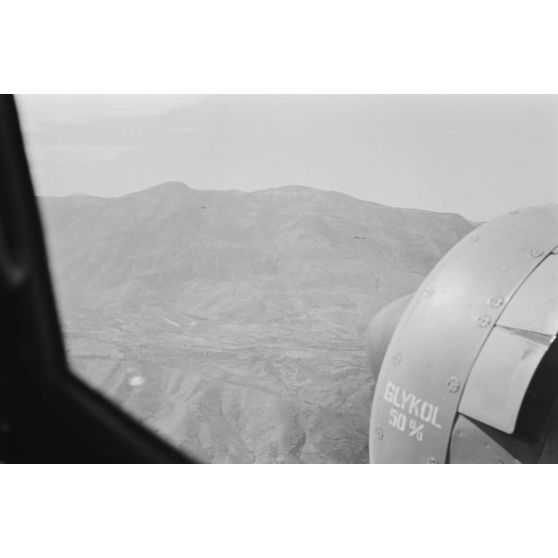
<point>467,367</point>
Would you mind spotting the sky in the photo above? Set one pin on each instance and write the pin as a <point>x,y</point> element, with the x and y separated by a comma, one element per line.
<point>476,155</point>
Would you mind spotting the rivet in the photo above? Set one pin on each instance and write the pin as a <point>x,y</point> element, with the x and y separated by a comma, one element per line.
<point>396,358</point>
<point>432,461</point>
<point>473,238</point>
<point>496,301</point>
<point>536,253</point>
<point>453,384</point>
<point>483,321</point>
<point>379,434</point>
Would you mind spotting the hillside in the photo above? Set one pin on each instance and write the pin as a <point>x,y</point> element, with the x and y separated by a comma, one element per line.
<point>232,322</point>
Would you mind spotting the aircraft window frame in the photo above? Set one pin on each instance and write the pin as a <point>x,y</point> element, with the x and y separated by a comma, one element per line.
<point>50,414</point>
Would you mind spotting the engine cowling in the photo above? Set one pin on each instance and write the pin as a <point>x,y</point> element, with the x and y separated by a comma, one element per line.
<point>466,367</point>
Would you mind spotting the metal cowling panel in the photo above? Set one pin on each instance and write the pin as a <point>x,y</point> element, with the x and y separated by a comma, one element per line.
<point>443,329</point>
<point>509,359</point>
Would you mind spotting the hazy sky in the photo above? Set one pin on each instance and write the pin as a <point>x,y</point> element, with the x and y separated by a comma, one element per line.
<point>479,156</point>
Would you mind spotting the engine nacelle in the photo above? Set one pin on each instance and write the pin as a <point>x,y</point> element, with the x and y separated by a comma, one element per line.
<point>467,367</point>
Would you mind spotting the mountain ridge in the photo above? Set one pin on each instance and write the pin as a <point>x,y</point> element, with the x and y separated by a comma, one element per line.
<point>233,323</point>
<point>177,185</point>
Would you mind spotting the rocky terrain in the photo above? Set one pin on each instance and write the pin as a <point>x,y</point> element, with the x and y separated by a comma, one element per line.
<point>232,323</point>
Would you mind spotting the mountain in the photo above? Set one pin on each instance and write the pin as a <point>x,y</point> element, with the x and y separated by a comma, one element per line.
<point>233,323</point>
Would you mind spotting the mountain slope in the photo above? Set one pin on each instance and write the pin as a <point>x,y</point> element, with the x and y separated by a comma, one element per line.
<point>233,322</point>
